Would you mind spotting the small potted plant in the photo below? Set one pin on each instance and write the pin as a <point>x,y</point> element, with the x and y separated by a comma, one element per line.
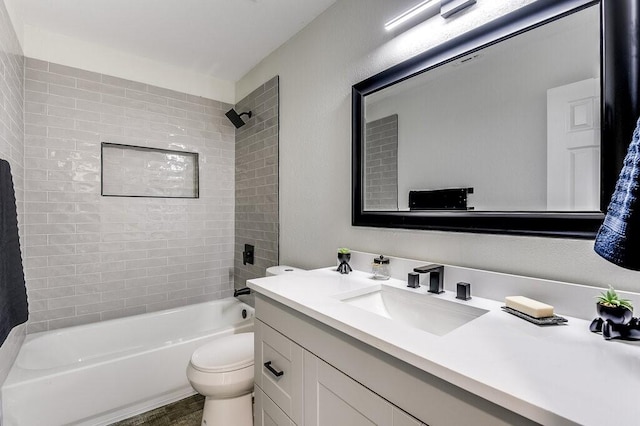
<point>612,308</point>
<point>344,253</point>
<point>344,256</point>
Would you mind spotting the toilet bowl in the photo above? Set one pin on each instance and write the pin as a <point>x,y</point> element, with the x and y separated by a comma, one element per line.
<point>222,371</point>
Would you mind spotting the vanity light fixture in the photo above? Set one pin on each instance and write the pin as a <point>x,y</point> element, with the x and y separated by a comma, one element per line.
<point>451,7</point>
<point>424,10</point>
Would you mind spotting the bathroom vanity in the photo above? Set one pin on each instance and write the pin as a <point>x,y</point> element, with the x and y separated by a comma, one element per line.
<point>331,379</point>
<point>346,360</point>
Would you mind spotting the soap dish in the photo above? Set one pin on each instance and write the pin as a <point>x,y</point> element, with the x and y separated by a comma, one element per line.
<point>554,320</point>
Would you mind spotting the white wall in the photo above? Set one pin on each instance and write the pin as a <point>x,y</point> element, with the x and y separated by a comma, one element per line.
<point>317,69</point>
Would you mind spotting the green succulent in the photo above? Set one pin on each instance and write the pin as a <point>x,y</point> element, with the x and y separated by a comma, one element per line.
<point>611,298</point>
<point>344,250</point>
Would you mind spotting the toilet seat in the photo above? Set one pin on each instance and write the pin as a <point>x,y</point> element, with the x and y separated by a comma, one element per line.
<point>228,353</point>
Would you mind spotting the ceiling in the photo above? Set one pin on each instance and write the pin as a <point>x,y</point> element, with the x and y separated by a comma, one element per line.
<point>221,38</point>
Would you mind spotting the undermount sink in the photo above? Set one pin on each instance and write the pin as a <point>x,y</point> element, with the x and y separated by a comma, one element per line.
<point>422,311</point>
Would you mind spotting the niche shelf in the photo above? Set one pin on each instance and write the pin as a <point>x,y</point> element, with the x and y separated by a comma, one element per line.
<point>137,171</point>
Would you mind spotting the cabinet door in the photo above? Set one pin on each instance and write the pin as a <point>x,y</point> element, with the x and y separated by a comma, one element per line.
<point>278,369</point>
<point>333,399</point>
<point>400,418</point>
<point>267,413</point>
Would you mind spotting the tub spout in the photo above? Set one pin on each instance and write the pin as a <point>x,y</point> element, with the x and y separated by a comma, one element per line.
<point>240,291</point>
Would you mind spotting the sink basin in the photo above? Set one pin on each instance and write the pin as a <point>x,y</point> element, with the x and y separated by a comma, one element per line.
<point>422,311</point>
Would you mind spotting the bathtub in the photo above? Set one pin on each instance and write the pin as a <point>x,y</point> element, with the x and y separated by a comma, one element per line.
<point>99,373</point>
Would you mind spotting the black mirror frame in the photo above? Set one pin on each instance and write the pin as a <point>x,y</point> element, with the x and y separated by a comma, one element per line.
<point>620,98</point>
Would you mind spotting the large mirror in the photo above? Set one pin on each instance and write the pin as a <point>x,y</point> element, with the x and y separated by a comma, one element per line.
<point>519,126</point>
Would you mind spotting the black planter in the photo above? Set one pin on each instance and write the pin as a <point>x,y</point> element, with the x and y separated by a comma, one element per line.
<point>614,314</point>
<point>344,259</point>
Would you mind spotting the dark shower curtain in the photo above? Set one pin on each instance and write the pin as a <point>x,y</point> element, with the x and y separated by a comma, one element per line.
<point>13,293</point>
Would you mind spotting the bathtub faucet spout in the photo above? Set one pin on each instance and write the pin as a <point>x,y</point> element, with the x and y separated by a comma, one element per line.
<point>240,291</point>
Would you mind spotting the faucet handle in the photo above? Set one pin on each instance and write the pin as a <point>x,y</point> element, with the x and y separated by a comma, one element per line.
<point>463,291</point>
<point>413,280</point>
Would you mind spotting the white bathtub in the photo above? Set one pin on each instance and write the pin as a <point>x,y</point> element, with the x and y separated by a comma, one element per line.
<point>99,373</point>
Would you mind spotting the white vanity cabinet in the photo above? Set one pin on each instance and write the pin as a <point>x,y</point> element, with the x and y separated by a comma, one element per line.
<point>267,413</point>
<point>278,371</point>
<point>297,388</point>
<point>332,398</point>
<point>331,379</point>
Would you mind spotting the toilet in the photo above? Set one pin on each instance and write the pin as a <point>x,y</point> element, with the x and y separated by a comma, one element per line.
<point>283,270</point>
<point>222,371</point>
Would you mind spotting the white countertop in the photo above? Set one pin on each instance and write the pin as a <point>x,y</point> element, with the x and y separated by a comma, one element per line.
<point>553,375</point>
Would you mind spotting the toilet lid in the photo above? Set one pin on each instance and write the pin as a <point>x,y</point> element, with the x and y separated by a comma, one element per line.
<point>224,354</point>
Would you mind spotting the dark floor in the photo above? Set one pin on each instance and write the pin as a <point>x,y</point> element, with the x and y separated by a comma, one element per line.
<point>186,412</point>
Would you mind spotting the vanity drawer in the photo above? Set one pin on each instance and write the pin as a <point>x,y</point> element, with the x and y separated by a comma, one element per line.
<point>267,413</point>
<point>278,369</point>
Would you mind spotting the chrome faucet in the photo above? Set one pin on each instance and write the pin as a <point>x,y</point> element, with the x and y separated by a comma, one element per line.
<point>436,277</point>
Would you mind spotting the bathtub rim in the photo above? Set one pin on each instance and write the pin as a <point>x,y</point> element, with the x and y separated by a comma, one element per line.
<point>18,374</point>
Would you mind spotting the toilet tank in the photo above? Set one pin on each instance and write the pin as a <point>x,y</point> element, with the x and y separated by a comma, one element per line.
<point>282,269</point>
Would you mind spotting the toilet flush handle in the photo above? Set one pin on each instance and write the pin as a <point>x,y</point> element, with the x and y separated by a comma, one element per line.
<point>273,370</point>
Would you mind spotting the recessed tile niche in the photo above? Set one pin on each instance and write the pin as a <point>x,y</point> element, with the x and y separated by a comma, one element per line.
<point>137,171</point>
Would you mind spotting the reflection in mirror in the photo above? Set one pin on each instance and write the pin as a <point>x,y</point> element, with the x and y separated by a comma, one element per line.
<point>517,121</point>
<point>381,159</point>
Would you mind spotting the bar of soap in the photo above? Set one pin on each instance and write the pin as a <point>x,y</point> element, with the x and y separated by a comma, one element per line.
<point>529,306</point>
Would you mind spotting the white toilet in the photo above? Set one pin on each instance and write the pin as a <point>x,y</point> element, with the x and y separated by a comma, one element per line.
<point>283,269</point>
<point>222,371</point>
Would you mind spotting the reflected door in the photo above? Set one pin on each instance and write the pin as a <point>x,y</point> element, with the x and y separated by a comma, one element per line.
<point>573,146</point>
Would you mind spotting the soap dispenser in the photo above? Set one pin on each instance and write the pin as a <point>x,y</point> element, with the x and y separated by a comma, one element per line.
<point>380,268</point>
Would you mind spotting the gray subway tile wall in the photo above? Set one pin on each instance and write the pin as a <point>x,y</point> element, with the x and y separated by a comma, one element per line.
<point>12,149</point>
<point>12,107</point>
<point>128,171</point>
<point>381,155</point>
<point>90,258</point>
<point>256,194</point>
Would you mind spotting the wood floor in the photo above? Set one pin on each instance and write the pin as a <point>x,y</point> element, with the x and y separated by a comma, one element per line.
<point>186,412</point>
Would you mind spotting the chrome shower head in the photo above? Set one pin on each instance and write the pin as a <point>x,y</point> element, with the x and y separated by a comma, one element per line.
<point>236,118</point>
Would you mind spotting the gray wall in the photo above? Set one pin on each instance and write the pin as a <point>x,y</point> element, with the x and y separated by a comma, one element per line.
<point>12,105</point>
<point>381,164</point>
<point>256,220</point>
<point>91,258</point>
<point>12,149</point>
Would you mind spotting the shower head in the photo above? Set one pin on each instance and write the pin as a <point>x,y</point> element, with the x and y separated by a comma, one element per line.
<point>236,118</point>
